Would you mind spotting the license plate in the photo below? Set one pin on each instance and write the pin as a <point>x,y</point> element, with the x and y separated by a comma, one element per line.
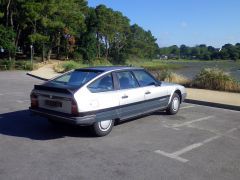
<point>53,103</point>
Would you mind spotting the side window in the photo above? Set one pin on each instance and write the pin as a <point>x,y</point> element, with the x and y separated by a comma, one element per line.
<point>144,78</point>
<point>126,80</point>
<point>102,84</point>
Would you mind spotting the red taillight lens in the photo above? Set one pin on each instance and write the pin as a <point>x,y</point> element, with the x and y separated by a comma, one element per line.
<point>34,100</point>
<point>74,108</point>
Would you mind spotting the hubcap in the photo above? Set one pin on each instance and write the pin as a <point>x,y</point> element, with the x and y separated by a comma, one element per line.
<point>175,104</point>
<point>105,125</point>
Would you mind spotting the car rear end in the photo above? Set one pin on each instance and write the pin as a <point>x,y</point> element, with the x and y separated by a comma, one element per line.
<point>54,103</point>
<point>56,100</point>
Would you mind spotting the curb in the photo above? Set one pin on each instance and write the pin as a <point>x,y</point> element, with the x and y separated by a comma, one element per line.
<point>212,104</point>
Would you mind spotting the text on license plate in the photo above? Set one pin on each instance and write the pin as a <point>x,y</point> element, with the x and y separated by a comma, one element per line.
<point>53,103</point>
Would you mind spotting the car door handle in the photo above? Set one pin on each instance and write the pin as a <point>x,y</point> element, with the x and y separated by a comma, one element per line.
<point>148,92</point>
<point>124,97</point>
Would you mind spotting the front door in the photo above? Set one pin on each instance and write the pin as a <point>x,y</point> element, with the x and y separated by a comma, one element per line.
<point>155,96</point>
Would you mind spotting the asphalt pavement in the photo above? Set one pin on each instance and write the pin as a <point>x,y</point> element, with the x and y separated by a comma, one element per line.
<point>198,143</point>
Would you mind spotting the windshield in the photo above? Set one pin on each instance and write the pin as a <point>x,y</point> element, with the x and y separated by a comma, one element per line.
<point>77,77</point>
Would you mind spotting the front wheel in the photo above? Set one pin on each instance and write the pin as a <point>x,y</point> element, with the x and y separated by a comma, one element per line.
<point>102,128</point>
<point>174,105</point>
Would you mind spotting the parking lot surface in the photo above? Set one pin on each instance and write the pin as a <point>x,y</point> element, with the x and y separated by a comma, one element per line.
<point>198,143</point>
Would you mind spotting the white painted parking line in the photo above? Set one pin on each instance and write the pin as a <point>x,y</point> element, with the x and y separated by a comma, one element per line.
<point>193,121</point>
<point>172,156</point>
<point>187,107</point>
<point>176,155</point>
<point>194,146</point>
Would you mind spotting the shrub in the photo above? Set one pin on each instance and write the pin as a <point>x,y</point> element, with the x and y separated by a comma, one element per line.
<point>215,79</point>
<point>100,62</point>
<point>168,76</point>
<point>7,65</point>
<point>67,66</point>
<point>17,65</point>
<point>25,65</point>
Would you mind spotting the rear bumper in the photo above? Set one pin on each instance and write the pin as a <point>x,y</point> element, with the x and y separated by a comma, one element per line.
<point>66,118</point>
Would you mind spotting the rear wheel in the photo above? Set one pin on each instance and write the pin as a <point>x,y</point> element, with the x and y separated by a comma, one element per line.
<point>174,105</point>
<point>102,128</point>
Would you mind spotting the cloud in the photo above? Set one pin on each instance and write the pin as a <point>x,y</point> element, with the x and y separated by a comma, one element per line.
<point>184,24</point>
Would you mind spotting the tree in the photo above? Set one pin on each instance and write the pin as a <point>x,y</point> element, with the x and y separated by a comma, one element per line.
<point>229,51</point>
<point>141,43</point>
<point>6,36</point>
<point>184,51</point>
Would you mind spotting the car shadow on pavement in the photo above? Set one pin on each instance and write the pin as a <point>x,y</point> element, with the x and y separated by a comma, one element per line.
<point>22,124</point>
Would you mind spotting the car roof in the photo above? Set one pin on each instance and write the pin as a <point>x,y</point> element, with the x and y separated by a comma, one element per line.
<point>110,68</point>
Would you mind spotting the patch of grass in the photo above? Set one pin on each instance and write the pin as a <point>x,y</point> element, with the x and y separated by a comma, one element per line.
<point>153,65</point>
<point>17,65</point>
<point>100,62</point>
<point>215,79</point>
<point>69,65</point>
<point>25,65</point>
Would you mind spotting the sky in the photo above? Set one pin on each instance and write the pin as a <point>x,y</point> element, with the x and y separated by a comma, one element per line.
<point>189,22</point>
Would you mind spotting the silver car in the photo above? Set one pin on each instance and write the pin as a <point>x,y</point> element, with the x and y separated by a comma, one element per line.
<point>98,96</point>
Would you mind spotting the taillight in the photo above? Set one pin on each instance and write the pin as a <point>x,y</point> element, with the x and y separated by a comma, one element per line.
<point>74,108</point>
<point>34,100</point>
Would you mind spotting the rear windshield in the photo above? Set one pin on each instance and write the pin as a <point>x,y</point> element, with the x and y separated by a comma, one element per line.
<point>76,78</point>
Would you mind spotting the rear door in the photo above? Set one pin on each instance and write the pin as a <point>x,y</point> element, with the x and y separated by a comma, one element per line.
<point>130,95</point>
<point>102,99</point>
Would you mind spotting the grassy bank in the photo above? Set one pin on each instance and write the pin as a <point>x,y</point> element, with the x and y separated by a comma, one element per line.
<point>150,65</point>
<point>153,65</point>
<point>208,78</point>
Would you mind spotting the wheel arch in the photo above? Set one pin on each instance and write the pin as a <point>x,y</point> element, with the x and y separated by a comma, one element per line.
<point>177,91</point>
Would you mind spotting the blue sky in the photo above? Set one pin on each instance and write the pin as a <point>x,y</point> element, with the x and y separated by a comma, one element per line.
<point>190,22</point>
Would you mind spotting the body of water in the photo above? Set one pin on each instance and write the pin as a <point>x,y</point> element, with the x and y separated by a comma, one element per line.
<point>190,69</point>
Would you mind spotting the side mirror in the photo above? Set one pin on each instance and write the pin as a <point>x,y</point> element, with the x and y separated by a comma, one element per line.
<point>159,83</point>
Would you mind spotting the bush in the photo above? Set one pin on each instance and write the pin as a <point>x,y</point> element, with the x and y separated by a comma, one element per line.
<point>215,79</point>
<point>25,65</point>
<point>168,76</point>
<point>67,66</point>
<point>6,65</point>
<point>100,62</point>
<point>17,65</point>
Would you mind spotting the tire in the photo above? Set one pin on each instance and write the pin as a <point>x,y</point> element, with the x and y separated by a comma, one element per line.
<point>174,105</point>
<point>102,128</point>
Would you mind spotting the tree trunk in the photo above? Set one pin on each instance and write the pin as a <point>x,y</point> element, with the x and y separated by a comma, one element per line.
<point>43,52</point>
<point>106,46</point>
<point>19,31</point>
<point>98,46</point>
<point>8,12</point>
<point>49,54</point>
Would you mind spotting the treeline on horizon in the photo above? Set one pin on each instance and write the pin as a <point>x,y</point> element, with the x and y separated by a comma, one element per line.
<point>201,52</point>
<point>71,29</point>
